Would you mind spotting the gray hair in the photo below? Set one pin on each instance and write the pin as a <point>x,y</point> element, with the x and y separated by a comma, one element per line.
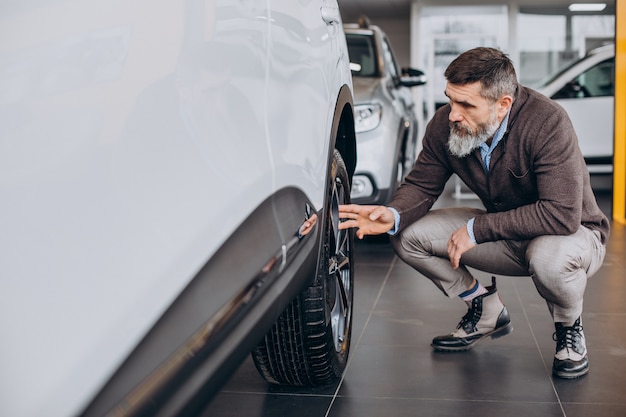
<point>490,66</point>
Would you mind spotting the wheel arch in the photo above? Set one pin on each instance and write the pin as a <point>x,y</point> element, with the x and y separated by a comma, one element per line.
<point>343,136</point>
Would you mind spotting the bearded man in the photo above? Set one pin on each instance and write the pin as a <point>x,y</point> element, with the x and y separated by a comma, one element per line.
<point>517,150</point>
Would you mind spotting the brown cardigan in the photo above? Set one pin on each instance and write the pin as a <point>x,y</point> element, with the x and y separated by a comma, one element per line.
<point>538,183</point>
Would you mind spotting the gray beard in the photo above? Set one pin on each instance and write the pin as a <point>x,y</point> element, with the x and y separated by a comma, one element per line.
<point>463,141</point>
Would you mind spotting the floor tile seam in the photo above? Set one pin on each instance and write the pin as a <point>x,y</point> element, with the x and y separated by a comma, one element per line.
<point>592,352</point>
<point>458,400</point>
<point>589,313</point>
<point>358,341</point>
<point>375,304</point>
<point>493,349</point>
<point>547,368</point>
<point>594,404</point>
<point>278,394</point>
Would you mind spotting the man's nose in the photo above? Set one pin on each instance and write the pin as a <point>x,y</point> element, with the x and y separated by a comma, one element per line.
<point>455,115</point>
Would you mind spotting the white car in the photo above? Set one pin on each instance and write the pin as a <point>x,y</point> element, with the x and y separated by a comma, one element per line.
<point>385,119</point>
<point>586,90</point>
<point>170,174</point>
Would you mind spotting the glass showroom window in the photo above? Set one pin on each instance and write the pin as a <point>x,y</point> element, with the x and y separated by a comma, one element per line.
<point>547,43</point>
<point>541,40</point>
<point>445,32</point>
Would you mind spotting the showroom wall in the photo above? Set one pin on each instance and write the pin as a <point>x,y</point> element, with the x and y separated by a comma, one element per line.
<point>539,39</point>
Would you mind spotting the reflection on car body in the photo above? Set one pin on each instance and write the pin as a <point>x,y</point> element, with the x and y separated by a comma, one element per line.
<point>170,173</point>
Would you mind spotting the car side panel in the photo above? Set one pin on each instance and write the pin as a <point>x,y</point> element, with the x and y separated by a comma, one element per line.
<point>308,58</point>
<point>122,172</point>
<point>191,350</point>
<point>592,118</point>
<point>137,137</point>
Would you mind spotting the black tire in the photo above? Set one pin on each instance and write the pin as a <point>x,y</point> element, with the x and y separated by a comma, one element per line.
<point>310,342</point>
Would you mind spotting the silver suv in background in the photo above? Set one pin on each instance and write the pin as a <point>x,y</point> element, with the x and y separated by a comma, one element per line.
<point>169,176</point>
<point>586,90</point>
<point>385,119</point>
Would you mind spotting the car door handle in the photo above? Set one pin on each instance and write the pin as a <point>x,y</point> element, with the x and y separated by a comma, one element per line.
<point>331,15</point>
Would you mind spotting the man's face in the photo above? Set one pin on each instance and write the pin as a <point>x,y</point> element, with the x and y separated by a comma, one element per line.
<point>473,118</point>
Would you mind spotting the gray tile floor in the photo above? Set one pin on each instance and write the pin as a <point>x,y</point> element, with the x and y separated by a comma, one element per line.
<point>394,372</point>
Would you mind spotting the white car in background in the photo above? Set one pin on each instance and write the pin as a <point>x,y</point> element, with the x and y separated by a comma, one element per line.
<point>170,174</point>
<point>385,119</point>
<point>586,90</point>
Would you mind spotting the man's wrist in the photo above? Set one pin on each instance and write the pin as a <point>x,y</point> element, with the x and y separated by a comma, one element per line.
<point>470,230</point>
<point>396,223</point>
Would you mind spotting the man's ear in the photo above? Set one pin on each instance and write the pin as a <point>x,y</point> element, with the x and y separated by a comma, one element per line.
<point>504,104</point>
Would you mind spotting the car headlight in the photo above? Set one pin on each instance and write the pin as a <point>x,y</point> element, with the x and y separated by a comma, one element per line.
<point>367,117</point>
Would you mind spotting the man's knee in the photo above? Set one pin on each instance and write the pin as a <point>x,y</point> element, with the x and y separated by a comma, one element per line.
<point>547,258</point>
<point>406,245</point>
<point>564,255</point>
<point>429,235</point>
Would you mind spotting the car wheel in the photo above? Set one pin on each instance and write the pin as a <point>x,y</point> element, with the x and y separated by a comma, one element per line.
<point>310,341</point>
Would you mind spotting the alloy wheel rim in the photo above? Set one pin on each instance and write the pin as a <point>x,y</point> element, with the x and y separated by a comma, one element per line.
<point>340,271</point>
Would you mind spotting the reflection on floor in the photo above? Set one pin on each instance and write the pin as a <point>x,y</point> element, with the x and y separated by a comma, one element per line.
<point>394,372</point>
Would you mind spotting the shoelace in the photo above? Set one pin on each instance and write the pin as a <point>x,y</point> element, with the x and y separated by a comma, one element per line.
<point>470,319</point>
<point>569,338</point>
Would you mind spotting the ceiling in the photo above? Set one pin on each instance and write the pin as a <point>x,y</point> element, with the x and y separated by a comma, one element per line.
<point>398,8</point>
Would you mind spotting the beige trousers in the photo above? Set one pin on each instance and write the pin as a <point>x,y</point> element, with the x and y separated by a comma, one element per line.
<point>558,265</point>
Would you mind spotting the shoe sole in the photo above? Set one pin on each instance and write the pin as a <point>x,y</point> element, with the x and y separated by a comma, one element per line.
<point>570,375</point>
<point>494,334</point>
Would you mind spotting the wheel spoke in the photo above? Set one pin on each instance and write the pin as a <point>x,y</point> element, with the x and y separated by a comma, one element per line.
<point>338,319</point>
<point>334,206</point>
<point>340,270</point>
<point>343,277</point>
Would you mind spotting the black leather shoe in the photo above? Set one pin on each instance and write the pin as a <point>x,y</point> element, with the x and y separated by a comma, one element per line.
<point>486,317</point>
<point>570,360</point>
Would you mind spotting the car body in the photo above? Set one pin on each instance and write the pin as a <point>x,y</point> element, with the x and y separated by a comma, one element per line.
<point>169,176</point>
<point>385,118</point>
<point>586,90</point>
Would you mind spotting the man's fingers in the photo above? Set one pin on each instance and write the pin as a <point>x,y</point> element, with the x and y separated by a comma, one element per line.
<point>458,244</point>
<point>346,213</point>
<point>352,208</point>
<point>455,261</point>
<point>452,253</point>
<point>377,213</point>
<point>349,215</point>
<point>348,224</point>
<point>368,220</point>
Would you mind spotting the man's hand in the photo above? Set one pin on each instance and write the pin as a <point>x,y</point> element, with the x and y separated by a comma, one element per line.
<point>369,220</point>
<point>459,243</point>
